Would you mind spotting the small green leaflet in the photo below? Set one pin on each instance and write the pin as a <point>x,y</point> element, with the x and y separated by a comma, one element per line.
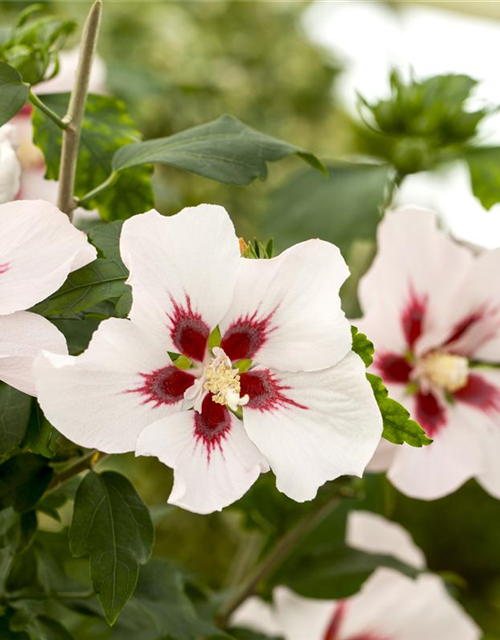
<point>398,426</point>
<point>484,167</point>
<point>13,92</point>
<point>225,150</point>
<point>113,525</point>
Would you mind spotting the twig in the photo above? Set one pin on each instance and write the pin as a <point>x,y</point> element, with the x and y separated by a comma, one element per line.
<point>76,109</point>
<point>35,100</point>
<point>84,463</point>
<point>280,552</point>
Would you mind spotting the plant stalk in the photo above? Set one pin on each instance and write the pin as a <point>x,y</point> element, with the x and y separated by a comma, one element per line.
<point>85,463</point>
<point>76,109</point>
<point>281,551</point>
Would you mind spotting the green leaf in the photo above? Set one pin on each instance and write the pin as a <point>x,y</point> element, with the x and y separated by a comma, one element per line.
<point>106,127</point>
<point>42,438</point>
<point>340,208</point>
<point>15,409</point>
<point>398,426</point>
<point>484,167</point>
<point>113,525</point>
<point>13,92</point>
<point>362,346</point>
<point>44,628</point>
<point>225,150</point>
<point>23,480</point>
<point>106,238</point>
<point>17,532</point>
<point>338,571</point>
<point>100,280</point>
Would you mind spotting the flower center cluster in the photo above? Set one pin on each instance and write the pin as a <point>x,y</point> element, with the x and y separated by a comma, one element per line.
<point>223,382</point>
<point>444,370</point>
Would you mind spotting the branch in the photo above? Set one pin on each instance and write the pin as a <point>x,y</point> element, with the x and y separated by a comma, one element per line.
<point>84,463</point>
<point>73,119</point>
<point>281,551</point>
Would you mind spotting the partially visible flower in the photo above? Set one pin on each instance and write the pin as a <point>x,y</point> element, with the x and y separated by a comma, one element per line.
<point>432,309</point>
<point>10,167</point>
<point>30,182</point>
<point>38,249</point>
<point>390,605</point>
<point>281,388</point>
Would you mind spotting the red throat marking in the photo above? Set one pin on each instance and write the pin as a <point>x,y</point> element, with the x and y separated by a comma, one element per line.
<point>212,425</point>
<point>413,317</point>
<point>164,386</point>
<point>4,267</point>
<point>393,368</point>
<point>246,336</point>
<point>188,331</point>
<point>265,392</point>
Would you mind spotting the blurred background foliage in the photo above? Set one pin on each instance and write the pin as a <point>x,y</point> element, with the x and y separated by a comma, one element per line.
<point>179,64</point>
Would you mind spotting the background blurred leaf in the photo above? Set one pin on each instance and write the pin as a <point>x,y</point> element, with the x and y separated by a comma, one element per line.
<point>23,480</point>
<point>225,150</point>
<point>484,167</point>
<point>106,127</point>
<point>113,525</point>
<point>13,92</point>
<point>15,409</point>
<point>339,208</point>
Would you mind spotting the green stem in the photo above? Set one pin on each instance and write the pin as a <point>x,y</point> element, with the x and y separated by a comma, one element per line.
<point>85,463</point>
<point>75,595</point>
<point>35,101</point>
<point>76,109</point>
<point>392,186</point>
<point>281,551</point>
<point>84,200</point>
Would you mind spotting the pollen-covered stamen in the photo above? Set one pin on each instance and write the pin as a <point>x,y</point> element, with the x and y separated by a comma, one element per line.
<point>223,382</point>
<point>444,370</point>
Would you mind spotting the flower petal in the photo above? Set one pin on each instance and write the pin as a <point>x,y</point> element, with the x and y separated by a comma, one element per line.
<point>10,167</point>
<point>392,605</point>
<point>257,615</point>
<point>105,397</point>
<point>325,423</point>
<point>372,533</point>
<point>286,311</point>
<point>38,249</point>
<point>22,336</point>
<point>455,456</point>
<point>403,296</point>
<point>182,271</point>
<point>214,461</point>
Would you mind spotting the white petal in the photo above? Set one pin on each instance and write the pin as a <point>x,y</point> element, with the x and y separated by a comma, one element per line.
<point>38,249</point>
<point>302,618</point>
<point>257,615</point>
<point>209,478</point>
<point>286,311</point>
<point>100,399</point>
<point>431,472</point>
<point>415,262</point>
<point>394,606</point>
<point>187,261</point>
<point>10,167</point>
<point>22,336</point>
<point>327,425</point>
<point>372,533</point>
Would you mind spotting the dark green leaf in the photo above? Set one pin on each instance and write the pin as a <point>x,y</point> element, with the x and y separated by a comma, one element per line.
<point>106,238</point>
<point>484,167</point>
<point>44,628</point>
<point>340,208</point>
<point>362,346</point>
<point>14,415</point>
<point>23,480</point>
<point>106,128</point>
<point>113,525</point>
<point>339,572</point>
<point>17,532</point>
<point>225,150</point>
<point>398,426</point>
<point>13,92</point>
<point>78,331</point>
<point>100,280</point>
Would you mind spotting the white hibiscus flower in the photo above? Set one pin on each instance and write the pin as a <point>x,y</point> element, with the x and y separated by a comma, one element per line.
<point>38,249</point>
<point>304,407</point>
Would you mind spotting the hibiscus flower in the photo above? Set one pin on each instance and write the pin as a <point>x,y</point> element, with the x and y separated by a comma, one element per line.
<point>280,387</point>
<point>38,249</point>
<point>432,310</point>
<point>10,167</point>
<point>390,605</point>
